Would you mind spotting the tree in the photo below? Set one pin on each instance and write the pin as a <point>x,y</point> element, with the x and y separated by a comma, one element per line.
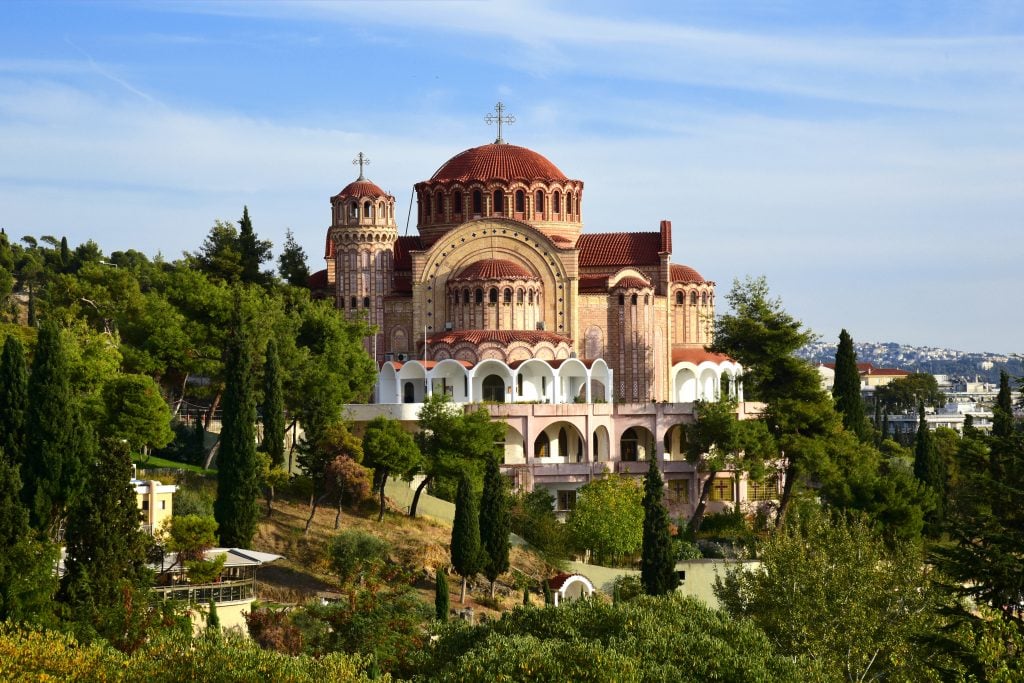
<point>13,399</point>
<point>212,620</point>
<point>291,264</point>
<point>136,413</point>
<point>389,449</point>
<point>441,602</point>
<point>236,509</point>
<point>1002,411</point>
<point>220,256</point>
<point>465,546</point>
<point>928,464</point>
<point>657,557</point>
<point>253,251</point>
<point>846,389</point>
<point>321,447</point>
<point>608,518</point>
<point>906,393</point>
<point>189,537</point>
<point>273,407</point>
<point>345,479</point>
<point>799,415</point>
<point>817,561</point>
<point>356,554</point>
<point>106,577</point>
<point>55,439</point>
<point>495,522</point>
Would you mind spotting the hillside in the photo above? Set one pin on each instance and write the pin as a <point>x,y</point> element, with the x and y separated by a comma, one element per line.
<point>985,366</point>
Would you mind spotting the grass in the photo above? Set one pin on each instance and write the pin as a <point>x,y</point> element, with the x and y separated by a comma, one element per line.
<point>153,462</point>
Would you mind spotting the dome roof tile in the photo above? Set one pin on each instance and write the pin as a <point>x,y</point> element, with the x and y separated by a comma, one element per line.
<point>362,188</point>
<point>494,269</point>
<point>680,273</point>
<point>497,161</point>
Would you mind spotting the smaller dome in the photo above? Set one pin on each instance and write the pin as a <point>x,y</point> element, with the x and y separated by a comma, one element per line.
<point>630,282</point>
<point>679,273</point>
<point>361,188</point>
<point>494,269</point>
<point>497,161</point>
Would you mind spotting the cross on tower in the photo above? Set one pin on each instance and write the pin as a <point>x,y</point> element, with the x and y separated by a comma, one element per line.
<point>362,161</point>
<point>501,118</point>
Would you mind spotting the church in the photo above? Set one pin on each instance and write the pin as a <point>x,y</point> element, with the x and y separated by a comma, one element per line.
<point>589,346</point>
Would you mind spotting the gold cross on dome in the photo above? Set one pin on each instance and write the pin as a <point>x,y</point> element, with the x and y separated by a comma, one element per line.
<point>362,161</point>
<point>501,118</point>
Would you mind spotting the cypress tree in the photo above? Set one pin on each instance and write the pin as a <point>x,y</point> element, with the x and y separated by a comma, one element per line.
<point>32,322</point>
<point>526,596</point>
<point>657,563</point>
<point>846,389</point>
<point>212,619</point>
<point>253,251</point>
<point>13,399</point>
<point>273,407</point>
<point>106,575</point>
<point>465,547</point>
<point>495,522</point>
<point>53,435</point>
<point>441,601</point>
<point>65,253</point>
<point>236,508</point>
<point>549,599</point>
<point>930,468</point>
<point>1002,412</point>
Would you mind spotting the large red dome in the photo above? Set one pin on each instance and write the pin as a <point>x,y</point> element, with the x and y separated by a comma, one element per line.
<point>497,161</point>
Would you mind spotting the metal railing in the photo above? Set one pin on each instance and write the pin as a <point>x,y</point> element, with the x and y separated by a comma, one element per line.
<point>202,593</point>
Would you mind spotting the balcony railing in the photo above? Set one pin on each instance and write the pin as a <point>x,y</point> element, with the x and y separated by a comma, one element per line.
<point>202,593</point>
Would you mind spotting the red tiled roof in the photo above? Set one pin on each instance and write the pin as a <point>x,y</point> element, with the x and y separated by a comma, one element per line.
<point>887,371</point>
<point>558,580</point>
<point>318,280</point>
<point>403,245</point>
<point>593,284</point>
<point>679,273</point>
<point>428,364</point>
<point>619,249</point>
<point>494,269</point>
<point>497,161</point>
<point>630,282</point>
<point>500,336</point>
<point>560,239</point>
<point>697,356</point>
<point>361,188</point>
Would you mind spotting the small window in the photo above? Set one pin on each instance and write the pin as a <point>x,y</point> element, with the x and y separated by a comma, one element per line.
<point>427,210</point>
<point>563,442</point>
<point>457,203</point>
<point>492,296</point>
<point>519,297</point>
<point>440,204</point>
<point>508,296</point>
<point>499,201</point>
<point>693,298</point>
<point>622,299</point>
<point>355,302</point>
<point>568,203</point>
<point>704,299</point>
<point>519,384</point>
<point>367,210</point>
<point>557,202</point>
<point>366,302</point>
<point>163,504</point>
<point>679,490</point>
<point>758,491</point>
<point>542,446</point>
<point>632,299</point>
<point>520,201</point>
<point>479,296</point>
<point>531,297</point>
<point>539,202</point>
<point>722,489</point>
<point>465,296</point>
<point>566,501</point>
<point>647,299</point>
<point>145,506</point>
<point>543,386</point>
<point>478,202</point>
<point>353,210</point>
<point>679,298</point>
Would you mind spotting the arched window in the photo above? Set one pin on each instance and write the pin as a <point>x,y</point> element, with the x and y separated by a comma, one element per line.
<point>508,296</point>
<point>366,302</point>
<point>647,299</point>
<point>427,210</point>
<point>632,300</point>
<point>531,297</point>
<point>479,295</point>
<point>520,201</point>
<point>539,202</point>
<point>341,304</point>
<point>693,298</point>
<point>408,393</point>
<point>679,298</point>
<point>478,202</point>
<point>367,210</point>
<point>355,302</point>
<point>492,296</point>
<point>457,203</point>
<point>499,201</point>
<point>353,210</point>
<point>519,297</point>
<point>440,204</point>
<point>556,205</point>
<point>622,299</point>
<point>542,446</point>
<point>628,446</point>
<point>493,388</point>
<point>568,203</point>
<point>704,299</point>
<point>519,384</point>
<point>563,443</point>
<point>465,296</point>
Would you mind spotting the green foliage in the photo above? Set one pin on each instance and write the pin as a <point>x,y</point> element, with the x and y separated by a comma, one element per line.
<point>846,388</point>
<point>354,555</point>
<point>237,465</point>
<point>291,264</point>
<point>495,521</point>
<point>906,393</point>
<point>627,587</point>
<point>532,517</point>
<point>442,604</point>
<point>13,399</point>
<point>190,536</point>
<point>273,407</point>
<point>467,555</point>
<point>136,413</point>
<point>252,250</point>
<point>389,449</point>
<point>1002,411</point>
<point>657,557</point>
<point>666,638</point>
<point>608,518</point>
<point>549,599</point>
<point>212,620</point>
<point>816,562</point>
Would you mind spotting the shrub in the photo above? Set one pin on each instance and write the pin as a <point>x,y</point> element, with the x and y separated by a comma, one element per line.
<point>355,554</point>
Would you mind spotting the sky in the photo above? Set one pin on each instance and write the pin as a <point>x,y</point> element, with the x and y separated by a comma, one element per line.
<point>866,158</point>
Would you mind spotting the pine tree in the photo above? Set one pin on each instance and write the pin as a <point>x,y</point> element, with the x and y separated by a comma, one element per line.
<point>27,580</point>
<point>236,508</point>
<point>291,264</point>
<point>273,407</point>
<point>13,399</point>
<point>657,563</point>
<point>106,576</point>
<point>846,389</point>
<point>930,468</point>
<point>54,435</point>
<point>254,251</point>
<point>441,601</point>
<point>465,546</point>
<point>495,522</point>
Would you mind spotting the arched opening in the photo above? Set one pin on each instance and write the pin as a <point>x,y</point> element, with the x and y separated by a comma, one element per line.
<point>679,298</point>
<point>508,295</point>
<point>492,296</point>
<point>568,204</point>
<point>478,202</point>
<point>355,302</point>
<point>531,296</point>
<point>353,210</point>
<point>542,446</point>
<point>493,389</point>
<point>499,201</point>
<point>563,442</point>
<point>519,296</point>
<point>465,296</point>
<point>520,201</point>
<point>519,385</point>
<point>539,202</point>
<point>366,302</point>
<point>479,295</point>
<point>693,298</point>
<point>408,392</point>
<point>628,447</point>
<point>367,210</point>
<point>440,204</point>
<point>632,300</point>
<point>556,202</point>
<point>601,444</point>
<point>457,203</point>
<point>622,299</point>
<point>704,299</point>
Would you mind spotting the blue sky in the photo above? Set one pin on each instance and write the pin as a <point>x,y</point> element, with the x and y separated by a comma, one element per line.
<point>868,158</point>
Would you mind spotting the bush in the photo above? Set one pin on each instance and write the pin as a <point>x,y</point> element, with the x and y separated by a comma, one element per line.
<point>191,501</point>
<point>685,550</point>
<point>627,587</point>
<point>355,554</point>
